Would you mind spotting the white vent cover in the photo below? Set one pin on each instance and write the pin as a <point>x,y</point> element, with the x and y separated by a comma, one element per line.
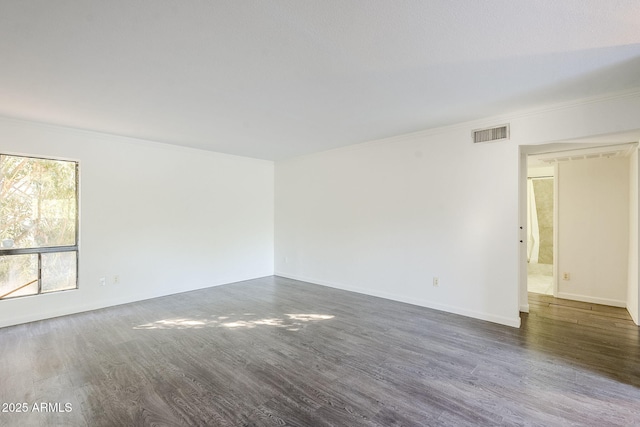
<point>491,134</point>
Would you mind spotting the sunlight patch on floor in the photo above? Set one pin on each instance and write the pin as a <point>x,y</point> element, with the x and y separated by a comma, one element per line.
<point>289,321</point>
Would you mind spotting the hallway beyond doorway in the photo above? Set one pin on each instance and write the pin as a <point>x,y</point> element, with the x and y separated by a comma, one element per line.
<point>540,278</point>
<point>615,320</point>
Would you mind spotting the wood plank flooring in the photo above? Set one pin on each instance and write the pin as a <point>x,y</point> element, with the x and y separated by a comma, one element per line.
<point>274,351</point>
<point>583,313</point>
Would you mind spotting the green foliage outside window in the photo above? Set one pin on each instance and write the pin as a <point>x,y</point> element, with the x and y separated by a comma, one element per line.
<point>38,209</point>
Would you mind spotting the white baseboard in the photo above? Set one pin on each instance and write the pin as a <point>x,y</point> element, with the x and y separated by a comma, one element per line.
<point>593,300</point>
<point>524,308</point>
<point>58,310</point>
<point>513,322</point>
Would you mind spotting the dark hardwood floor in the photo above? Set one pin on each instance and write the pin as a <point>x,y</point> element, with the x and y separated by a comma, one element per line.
<point>275,351</point>
<point>583,313</point>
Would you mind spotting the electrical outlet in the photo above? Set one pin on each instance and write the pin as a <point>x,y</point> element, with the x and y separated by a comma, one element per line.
<point>116,279</point>
<point>566,276</point>
<point>102,281</point>
<point>436,282</point>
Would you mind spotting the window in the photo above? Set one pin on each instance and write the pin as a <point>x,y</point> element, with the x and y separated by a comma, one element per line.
<point>38,226</point>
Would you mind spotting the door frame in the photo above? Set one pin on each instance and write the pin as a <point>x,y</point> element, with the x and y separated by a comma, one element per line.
<point>523,154</point>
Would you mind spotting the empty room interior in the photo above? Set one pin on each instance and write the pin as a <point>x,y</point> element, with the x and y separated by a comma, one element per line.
<point>343,213</point>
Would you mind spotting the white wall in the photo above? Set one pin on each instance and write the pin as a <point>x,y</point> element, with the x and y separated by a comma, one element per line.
<point>165,219</point>
<point>381,218</point>
<point>633,295</point>
<point>384,217</point>
<point>593,230</point>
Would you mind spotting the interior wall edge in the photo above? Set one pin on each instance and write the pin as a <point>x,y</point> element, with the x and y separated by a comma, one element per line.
<point>592,300</point>
<point>542,112</point>
<point>106,136</point>
<point>512,322</point>
<point>55,310</point>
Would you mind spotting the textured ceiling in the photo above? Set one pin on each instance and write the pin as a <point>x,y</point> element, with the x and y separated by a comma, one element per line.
<point>275,79</point>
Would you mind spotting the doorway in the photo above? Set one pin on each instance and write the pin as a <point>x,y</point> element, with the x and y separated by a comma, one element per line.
<point>540,226</point>
<point>577,266</point>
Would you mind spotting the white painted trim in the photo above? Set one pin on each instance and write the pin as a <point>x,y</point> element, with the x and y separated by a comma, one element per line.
<point>513,322</point>
<point>479,123</point>
<point>523,275</point>
<point>54,128</point>
<point>524,308</point>
<point>633,300</point>
<point>58,310</point>
<point>593,300</point>
<point>556,209</point>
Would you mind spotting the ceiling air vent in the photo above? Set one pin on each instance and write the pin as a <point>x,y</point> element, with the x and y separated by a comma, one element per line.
<point>491,134</point>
